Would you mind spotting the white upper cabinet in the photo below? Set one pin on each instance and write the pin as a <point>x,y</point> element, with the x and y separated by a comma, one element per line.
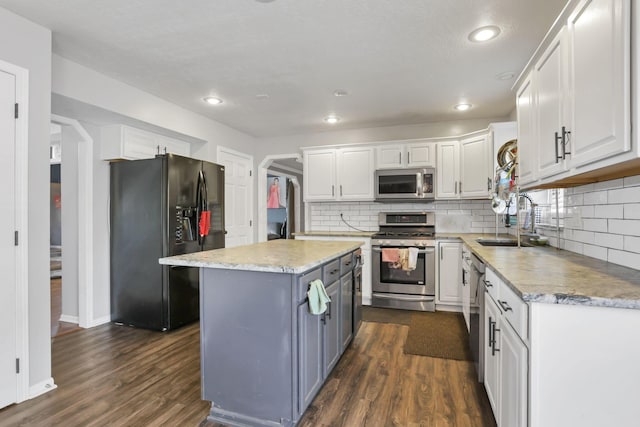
<point>551,97</point>
<point>578,95</point>
<point>406,155</point>
<point>599,76</point>
<point>338,174</point>
<point>125,142</point>
<point>448,170</point>
<point>355,173</point>
<point>319,174</point>
<point>476,167</point>
<point>527,138</point>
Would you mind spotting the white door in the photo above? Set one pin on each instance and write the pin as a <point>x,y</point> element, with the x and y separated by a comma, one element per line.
<point>448,170</point>
<point>355,173</point>
<point>319,175</point>
<point>475,175</point>
<point>551,101</point>
<point>238,196</point>
<point>601,87</point>
<point>8,318</point>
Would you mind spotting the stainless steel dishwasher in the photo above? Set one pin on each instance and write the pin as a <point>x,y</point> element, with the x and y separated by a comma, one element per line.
<point>476,329</point>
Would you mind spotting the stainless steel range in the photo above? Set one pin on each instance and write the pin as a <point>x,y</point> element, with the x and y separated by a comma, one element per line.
<point>399,282</point>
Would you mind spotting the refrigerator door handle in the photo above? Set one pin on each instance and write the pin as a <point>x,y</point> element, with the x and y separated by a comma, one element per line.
<point>204,215</point>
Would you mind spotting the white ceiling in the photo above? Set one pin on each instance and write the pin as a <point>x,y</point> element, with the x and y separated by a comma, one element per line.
<point>401,61</point>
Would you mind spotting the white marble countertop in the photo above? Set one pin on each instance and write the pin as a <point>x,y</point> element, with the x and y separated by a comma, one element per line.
<point>276,256</point>
<point>363,234</point>
<point>548,275</point>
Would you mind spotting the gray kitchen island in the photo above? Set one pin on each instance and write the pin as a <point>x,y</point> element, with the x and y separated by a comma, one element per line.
<point>264,356</point>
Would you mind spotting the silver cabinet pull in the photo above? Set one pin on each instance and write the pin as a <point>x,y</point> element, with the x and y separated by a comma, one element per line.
<point>489,184</point>
<point>408,157</point>
<point>400,158</point>
<point>333,190</point>
<point>340,190</point>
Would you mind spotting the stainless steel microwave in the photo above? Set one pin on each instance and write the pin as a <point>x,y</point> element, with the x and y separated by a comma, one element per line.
<point>405,185</point>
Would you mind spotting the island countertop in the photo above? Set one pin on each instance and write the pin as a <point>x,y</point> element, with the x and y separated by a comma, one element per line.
<point>276,256</point>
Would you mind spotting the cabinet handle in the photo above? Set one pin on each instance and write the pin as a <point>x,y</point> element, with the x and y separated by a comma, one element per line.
<point>463,278</point>
<point>460,187</point>
<point>490,341</point>
<point>487,283</point>
<point>408,157</point>
<point>440,253</point>
<point>488,184</point>
<point>157,149</point>
<point>493,348</point>
<point>329,310</point>
<point>165,150</point>
<point>400,158</point>
<point>323,319</point>
<point>340,190</point>
<point>557,139</point>
<point>505,306</point>
<point>565,141</point>
<point>333,190</point>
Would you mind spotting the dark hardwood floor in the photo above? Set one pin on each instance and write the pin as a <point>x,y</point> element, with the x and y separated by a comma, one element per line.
<point>119,376</point>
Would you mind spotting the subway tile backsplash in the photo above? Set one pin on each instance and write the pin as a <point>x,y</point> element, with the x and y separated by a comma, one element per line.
<point>455,216</point>
<point>601,220</point>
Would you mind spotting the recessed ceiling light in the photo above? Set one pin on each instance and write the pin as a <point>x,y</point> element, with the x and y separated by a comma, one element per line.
<point>212,100</point>
<point>264,1</point>
<point>340,92</point>
<point>332,119</point>
<point>262,96</point>
<point>462,107</point>
<point>508,75</point>
<point>484,34</point>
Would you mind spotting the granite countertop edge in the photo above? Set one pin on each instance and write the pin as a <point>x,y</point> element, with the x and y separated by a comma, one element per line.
<point>348,246</point>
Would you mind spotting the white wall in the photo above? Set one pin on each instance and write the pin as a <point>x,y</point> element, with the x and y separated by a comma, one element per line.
<point>86,85</point>
<point>69,193</point>
<point>28,45</point>
<point>292,143</point>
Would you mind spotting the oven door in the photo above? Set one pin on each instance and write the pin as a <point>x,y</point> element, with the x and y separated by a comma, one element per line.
<point>420,281</point>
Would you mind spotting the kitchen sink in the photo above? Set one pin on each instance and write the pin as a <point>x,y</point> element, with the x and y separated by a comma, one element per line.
<point>501,242</point>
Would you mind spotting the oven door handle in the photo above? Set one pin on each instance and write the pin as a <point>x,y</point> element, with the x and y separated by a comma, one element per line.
<point>428,250</point>
<point>403,297</point>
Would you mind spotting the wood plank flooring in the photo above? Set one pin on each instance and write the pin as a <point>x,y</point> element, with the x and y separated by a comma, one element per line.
<point>120,376</point>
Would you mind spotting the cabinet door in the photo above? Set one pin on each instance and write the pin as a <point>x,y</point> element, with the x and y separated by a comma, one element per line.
<point>599,37</point>
<point>492,353</point>
<point>138,144</point>
<point>320,175</point>
<point>475,170</point>
<point>310,367</point>
<point>389,156</point>
<point>550,84</point>
<point>174,146</point>
<point>346,310</point>
<point>355,174</point>
<point>527,139</point>
<point>421,154</point>
<point>448,170</point>
<point>514,379</point>
<point>450,268</point>
<point>332,341</point>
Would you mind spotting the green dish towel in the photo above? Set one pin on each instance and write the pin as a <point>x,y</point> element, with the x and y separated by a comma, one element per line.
<point>318,297</point>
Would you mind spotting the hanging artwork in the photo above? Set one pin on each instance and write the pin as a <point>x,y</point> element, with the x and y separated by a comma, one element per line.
<point>276,192</point>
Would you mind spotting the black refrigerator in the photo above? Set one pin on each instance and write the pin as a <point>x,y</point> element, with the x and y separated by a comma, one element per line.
<point>169,205</point>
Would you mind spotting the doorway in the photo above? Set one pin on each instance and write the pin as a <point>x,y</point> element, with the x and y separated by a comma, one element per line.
<point>281,219</point>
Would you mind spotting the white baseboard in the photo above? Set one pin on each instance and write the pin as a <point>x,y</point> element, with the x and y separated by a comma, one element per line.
<point>99,321</point>
<point>69,319</point>
<point>42,388</point>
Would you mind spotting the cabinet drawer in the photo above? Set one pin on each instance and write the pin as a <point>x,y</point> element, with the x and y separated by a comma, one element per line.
<point>303,283</point>
<point>492,283</point>
<point>515,310</point>
<point>346,263</point>
<point>331,272</point>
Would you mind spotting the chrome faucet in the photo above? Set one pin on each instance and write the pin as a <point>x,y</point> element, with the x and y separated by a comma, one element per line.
<point>532,214</point>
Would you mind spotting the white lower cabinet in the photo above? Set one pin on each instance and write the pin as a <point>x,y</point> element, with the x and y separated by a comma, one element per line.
<point>506,356</point>
<point>450,273</point>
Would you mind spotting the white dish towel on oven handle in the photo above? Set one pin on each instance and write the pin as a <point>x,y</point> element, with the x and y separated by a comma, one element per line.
<point>413,258</point>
